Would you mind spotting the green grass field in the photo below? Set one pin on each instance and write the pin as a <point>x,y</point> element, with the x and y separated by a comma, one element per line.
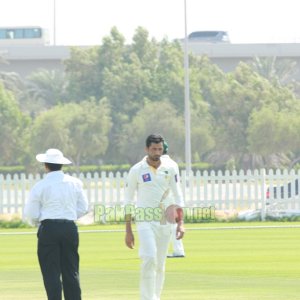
<point>220,264</point>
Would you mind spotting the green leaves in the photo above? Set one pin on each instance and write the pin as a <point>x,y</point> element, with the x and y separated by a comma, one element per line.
<point>247,118</point>
<point>81,130</point>
<point>13,125</point>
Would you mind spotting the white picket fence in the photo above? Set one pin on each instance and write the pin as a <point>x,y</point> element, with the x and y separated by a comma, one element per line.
<point>225,191</point>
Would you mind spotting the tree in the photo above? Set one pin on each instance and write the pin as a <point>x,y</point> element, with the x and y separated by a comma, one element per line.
<point>232,99</point>
<point>168,82</point>
<point>273,134</point>
<point>278,71</point>
<point>44,89</point>
<point>145,49</point>
<point>159,118</point>
<point>13,129</point>
<point>142,87</point>
<point>14,83</point>
<point>82,74</point>
<point>203,76</point>
<point>81,131</point>
<point>89,128</point>
<point>202,138</point>
<point>49,86</point>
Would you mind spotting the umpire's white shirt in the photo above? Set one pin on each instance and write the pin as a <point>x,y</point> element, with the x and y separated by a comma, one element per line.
<point>57,196</point>
<point>151,184</point>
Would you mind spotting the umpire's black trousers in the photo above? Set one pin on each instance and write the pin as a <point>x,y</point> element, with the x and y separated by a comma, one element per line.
<point>58,257</point>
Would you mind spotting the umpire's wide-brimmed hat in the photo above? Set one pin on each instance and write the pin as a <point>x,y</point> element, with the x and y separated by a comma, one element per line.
<point>53,156</point>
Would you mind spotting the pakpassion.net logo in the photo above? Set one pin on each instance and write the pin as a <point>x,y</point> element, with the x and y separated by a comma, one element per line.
<point>117,213</point>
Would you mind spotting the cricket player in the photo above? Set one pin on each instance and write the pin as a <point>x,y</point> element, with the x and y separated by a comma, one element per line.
<point>153,179</point>
<point>176,244</point>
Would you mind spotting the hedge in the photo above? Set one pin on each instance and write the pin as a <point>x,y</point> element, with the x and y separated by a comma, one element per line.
<point>95,168</point>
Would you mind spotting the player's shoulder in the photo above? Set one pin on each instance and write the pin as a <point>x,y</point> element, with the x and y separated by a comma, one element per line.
<point>138,166</point>
<point>168,161</point>
<point>72,179</point>
<point>38,185</point>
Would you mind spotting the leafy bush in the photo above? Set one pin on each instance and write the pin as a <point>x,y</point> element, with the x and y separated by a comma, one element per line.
<point>12,170</point>
<point>98,168</point>
<point>5,170</point>
<point>201,166</point>
<point>15,222</point>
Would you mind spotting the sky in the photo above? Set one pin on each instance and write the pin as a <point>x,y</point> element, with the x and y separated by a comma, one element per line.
<point>86,22</point>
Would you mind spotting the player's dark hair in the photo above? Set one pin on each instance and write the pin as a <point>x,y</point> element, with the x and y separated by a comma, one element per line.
<point>154,138</point>
<point>53,167</point>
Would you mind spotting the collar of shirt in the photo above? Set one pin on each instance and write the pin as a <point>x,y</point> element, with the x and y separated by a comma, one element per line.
<point>163,165</point>
<point>145,164</point>
<point>54,175</point>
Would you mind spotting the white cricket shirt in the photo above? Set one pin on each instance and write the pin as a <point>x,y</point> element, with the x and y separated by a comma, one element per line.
<point>151,184</point>
<point>57,196</point>
<point>170,162</point>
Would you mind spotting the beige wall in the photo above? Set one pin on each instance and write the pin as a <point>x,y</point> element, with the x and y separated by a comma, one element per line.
<point>27,59</point>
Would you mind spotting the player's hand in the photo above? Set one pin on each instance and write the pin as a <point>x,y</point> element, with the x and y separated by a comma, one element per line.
<point>129,240</point>
<point>180,230</point>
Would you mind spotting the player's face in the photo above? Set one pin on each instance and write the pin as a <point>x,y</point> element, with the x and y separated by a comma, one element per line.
<point>155,151</point>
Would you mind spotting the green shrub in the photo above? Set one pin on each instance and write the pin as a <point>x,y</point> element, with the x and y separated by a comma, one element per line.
<point>12,170</point>
<point>97,168</point>
<point>201,166</point>
<point>14,223</point>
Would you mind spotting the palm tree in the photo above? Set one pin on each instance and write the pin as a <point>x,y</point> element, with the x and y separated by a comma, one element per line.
<point>12,81</point>
<point>43,90</point>
<point>47,86</point>
<point>281,71</point>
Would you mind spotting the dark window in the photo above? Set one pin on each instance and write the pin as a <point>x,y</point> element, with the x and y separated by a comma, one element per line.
<point>209,36</point>
<point>20,33</point>
<point>32,33</point>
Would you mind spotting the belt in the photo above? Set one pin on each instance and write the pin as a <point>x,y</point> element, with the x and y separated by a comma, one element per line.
<point>57,221</point>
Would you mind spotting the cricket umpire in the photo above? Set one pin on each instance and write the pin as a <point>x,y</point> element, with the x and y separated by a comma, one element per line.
<point>54,203</point>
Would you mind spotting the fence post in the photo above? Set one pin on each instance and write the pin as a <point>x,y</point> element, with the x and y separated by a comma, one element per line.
<point>183,186</point>
<point>9,189</point>
<point>1,193</point>
<point>23,193</point>
<point>263,194</point>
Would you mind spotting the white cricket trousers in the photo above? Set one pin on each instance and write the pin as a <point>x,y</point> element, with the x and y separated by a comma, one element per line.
<point>177,245</point>
<point>154,241</point>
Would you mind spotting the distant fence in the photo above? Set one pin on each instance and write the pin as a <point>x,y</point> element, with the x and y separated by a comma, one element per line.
<point>225,191</point>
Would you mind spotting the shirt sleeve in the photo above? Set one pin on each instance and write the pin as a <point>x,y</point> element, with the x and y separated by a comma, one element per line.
<point>176,168</point>
<point>131,186</point>
<point>82,203</point>
<point>32,209</point>
<point>176,187</point>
